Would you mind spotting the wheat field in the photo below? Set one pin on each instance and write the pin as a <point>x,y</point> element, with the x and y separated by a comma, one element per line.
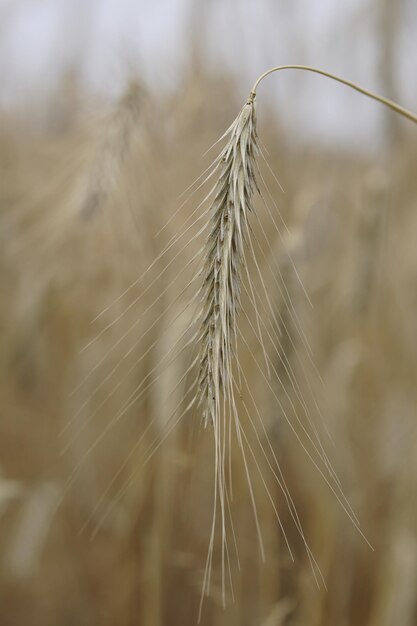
<point>108,465</point>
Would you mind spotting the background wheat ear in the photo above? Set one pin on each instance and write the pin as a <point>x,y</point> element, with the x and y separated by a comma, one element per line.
<point>112,147</point>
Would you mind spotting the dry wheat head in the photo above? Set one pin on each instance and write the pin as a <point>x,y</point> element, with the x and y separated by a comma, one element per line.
<point>224,260</point>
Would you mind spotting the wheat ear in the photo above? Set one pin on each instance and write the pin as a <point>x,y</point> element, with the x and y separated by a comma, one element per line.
<point>111,150</point>
<point>224,259</point>
<point>224,267</point>
<point>224,253</point>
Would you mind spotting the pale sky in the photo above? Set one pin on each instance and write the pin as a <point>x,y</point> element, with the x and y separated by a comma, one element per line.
<point>104,38</point>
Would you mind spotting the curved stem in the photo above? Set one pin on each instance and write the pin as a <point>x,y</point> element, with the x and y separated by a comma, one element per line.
<point>388,103</point>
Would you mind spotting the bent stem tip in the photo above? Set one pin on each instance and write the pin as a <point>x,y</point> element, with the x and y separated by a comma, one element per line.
<point>385,101</point>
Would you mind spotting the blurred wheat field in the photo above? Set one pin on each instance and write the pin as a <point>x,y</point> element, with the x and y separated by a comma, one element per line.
<point>80,208</point>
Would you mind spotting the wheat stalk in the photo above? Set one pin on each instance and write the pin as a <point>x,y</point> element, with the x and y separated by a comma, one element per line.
<point>412,117</point>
